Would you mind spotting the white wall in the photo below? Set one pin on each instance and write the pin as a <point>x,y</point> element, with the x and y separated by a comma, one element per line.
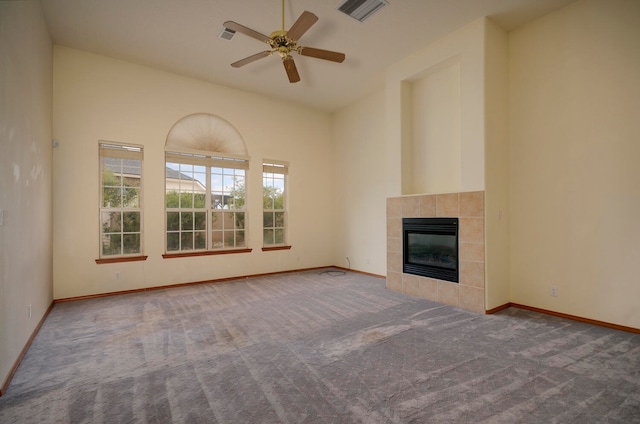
<point>25,176</point>
<point>360,185</point>
<point>574,154</point>
<point>98,98</point>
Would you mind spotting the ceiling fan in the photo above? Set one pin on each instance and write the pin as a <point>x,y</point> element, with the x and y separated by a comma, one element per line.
<point>284,43</point>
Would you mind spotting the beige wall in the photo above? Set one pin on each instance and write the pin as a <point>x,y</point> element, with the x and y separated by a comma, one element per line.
<point>574,155</point>
<point>360,185</point>
<point>496,136</point>
<point>98,98</point>
<point>25,176</point>
<point>458,58</point>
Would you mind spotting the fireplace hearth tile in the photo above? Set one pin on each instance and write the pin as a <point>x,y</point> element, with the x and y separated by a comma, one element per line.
<point>394,244</point>
<point>394,281</point>
<point>394,261</point>
<point>394,207</point>
<point>471,230</point>
<point>447,205</point>
<point>394,227</point>
<point>411,206</point>
<point>472,273</point>
<point>427,206</point>
<point>448,293</point>
<point>472,298</point>
<point>472,204</point>
<point>469,251</point>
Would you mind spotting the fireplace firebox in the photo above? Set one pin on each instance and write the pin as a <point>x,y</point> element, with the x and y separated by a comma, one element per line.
<point>430,247</point>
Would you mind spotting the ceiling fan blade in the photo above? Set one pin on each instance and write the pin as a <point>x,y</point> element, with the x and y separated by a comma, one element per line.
<point>246,31</point>
<point>251,58</point>
<point>322,54</point>
<point>290,67</point>
<point>304,22</point>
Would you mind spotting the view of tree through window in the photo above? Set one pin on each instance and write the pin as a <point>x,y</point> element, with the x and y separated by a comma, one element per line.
<point>120,200</point>
<point>274,203</point>
<point>205,202</point>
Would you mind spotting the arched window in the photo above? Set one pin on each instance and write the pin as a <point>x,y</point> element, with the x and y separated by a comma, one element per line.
<point>206,165</point>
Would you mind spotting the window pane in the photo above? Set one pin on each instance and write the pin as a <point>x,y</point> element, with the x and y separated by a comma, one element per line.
<point>173,221</point>
<point>268,236</point>
<point>267,200</point>
<point>111,244</point>
<point>200,201</point>
<point>111,222</point>
<point>172,199</point>
<point>228,220</point>
<point>131,197</point>
<point>279,219</point>
<point>173,241</point>
<point>267,219</point>
<point>216,239</point>
<point>216,221</point>
<point>111,197</point>
<point>240,242</point>
<point>131,222</point>
<point>186,221</point>
<point>240,220</point>
<point>131,243</point>
<point>229,238</point>
<point>186,200</point>
<point>186,241</point>
<point>200,221</point>
<point>279,236</point>
<point>200,240</point>
<point>278,200</point>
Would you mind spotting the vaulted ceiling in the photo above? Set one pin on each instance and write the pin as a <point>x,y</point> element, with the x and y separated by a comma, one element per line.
<point>182,36</point>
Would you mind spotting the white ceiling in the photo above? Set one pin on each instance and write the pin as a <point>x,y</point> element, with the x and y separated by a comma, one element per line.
<point>181,36</point>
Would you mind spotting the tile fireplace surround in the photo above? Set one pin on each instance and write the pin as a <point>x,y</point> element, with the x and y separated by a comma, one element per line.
<point>469,208</point>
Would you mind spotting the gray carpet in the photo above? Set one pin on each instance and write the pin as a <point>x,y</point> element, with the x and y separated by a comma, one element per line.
<point>317,347</point>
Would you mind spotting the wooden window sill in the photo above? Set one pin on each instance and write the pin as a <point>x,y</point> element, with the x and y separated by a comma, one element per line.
<point>268,249</point>
<point>121,259</point>
<point>204,253</point>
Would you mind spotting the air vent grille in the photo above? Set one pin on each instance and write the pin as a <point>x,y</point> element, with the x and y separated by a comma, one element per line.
<point>226,33</point>
<point>361,9</point>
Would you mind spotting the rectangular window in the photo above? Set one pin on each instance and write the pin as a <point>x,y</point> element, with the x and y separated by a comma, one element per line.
<point>205,202</point>
<point>120,200</point>
<point>274,194</point>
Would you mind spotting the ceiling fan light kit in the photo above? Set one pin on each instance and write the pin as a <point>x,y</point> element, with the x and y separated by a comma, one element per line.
<point>284,43</point>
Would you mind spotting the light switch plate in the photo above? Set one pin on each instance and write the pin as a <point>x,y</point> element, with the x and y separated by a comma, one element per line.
<point>1,216</point>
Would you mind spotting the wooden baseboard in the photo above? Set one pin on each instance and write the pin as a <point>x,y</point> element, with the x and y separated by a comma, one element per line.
<point>193,283</point>
<point>16,364</point>
<point>360,272</point>
<point>567,316</point>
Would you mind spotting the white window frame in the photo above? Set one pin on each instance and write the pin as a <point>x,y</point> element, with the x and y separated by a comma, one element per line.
<point>219,202</point>
<point>121,152</point>
<point>273,171</point>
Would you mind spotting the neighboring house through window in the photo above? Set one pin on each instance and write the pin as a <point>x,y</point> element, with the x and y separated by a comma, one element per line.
<point>120,200</point>
<point>205,202</point>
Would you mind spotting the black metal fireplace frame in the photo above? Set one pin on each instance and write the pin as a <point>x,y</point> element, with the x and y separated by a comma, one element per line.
<point>439,226</point>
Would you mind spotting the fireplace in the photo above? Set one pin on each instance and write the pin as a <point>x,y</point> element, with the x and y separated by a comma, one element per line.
<point>430,247</point>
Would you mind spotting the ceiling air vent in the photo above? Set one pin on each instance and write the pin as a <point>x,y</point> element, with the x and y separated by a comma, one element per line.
<point>361,9</point>
<point>226,33</point>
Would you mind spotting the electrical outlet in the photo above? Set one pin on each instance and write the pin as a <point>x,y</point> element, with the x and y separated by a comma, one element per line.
<point>118,275</point>
<point>553,291</point>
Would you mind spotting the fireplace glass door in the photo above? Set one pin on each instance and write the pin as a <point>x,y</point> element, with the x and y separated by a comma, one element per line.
<point>430,247</point>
